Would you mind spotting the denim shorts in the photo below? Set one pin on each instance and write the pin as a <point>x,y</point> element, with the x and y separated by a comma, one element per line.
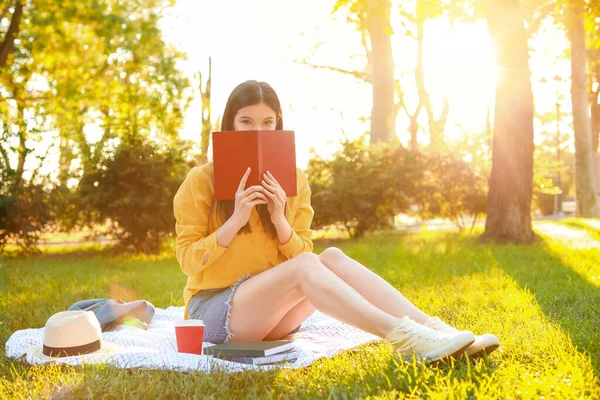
<point>213,307</point>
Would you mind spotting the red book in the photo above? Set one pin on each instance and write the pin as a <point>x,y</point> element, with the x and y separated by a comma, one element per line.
<point>235,151</point>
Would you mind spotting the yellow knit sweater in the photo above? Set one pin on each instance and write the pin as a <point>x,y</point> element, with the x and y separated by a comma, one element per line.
<point>208,265</point>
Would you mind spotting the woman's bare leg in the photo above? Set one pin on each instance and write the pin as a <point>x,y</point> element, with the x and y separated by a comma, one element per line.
<point>289,322</point>
<point>370,285</point>
<point>263,301</point>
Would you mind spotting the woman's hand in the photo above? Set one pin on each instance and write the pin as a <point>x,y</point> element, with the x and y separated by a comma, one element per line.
<point>277,199</point>
<point>246,199</point>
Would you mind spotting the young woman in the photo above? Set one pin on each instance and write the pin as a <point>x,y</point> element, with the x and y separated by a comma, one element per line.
<point>250,267</point>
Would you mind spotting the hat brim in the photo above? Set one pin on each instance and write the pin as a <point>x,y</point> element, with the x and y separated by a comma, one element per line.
<point>36,351</point>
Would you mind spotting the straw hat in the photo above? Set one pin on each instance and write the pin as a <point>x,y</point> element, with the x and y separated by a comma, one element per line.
<point>71,333</point>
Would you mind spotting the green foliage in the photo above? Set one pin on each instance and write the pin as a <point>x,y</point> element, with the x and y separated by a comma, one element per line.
<point>23,215</point>
<point>101,66</point>
<point>546,170</point>
<point>362,188</point>
<point>134,190</point>
<point>451,189</point>
<point>541,302</point>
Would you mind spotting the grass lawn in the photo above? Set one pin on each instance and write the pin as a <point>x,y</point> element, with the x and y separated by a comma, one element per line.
<point>542,301</point>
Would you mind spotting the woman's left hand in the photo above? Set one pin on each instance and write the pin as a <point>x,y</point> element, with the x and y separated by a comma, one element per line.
<point>277,198</point>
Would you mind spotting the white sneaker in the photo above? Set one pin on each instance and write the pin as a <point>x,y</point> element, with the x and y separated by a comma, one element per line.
<point>410,338</point>
<point>483,344</point>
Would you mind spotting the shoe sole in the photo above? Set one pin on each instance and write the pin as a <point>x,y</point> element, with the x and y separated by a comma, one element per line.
<point>485,351</point>
<point>451,350</point>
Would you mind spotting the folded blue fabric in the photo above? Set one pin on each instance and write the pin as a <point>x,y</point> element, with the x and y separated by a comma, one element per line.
<point>116,312</point>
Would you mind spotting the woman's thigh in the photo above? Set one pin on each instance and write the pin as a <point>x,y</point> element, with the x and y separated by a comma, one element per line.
<point>260,303</point>
<point>292,320</point>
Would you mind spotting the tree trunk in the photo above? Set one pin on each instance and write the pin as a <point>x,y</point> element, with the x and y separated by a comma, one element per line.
<point>585,191</point>
<point>595,107</point>
<point>595,126</point>
<point>6,168</point>
<point>22,149</point>
<point>383,114</point>
<point>509,197</point>
<point>206,126</point>
<point>593,59</point>
<point>6,46</point>
<point>413,128</point>
<point>436,126</point>
<point>64,162</point>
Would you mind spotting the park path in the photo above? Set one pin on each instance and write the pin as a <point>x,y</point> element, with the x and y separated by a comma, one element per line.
<point>570,237</point>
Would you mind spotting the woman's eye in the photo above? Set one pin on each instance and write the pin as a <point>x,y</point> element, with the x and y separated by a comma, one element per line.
<point>245,121</point>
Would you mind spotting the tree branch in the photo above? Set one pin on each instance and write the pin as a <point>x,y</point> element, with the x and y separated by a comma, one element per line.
<point>5,11</point>
<point>11,34</point>
<point>22,149</point>
<point>445,111</point>
<point>363,76</point>
<point>25,99</point>
<point>106,135</point>
<point>365,43</point>
<point>35,172</point>
<point>536,20</point>
<point>5,156</point>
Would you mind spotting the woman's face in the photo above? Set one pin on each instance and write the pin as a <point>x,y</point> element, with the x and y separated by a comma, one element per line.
<point>259,117</point>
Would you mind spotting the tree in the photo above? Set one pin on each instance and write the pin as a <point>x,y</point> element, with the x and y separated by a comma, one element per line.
<point>6,45</point>
<point>362,187</point>
<point>206,126</point>
<point>511,179</point>
<point>383,114</point>
<point>134,190</point>
<point>587,203</point>
<point>71,67</point>
<point>593,57</point>
<point>450,188</point>
<point>425,10</point>
<point>372,19</point>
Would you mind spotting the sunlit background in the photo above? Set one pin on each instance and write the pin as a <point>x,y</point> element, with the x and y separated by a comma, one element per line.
<point>276,40</point>
<point>273,40</point>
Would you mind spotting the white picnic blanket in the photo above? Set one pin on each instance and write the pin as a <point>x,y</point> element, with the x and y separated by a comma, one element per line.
<point>156,348</point>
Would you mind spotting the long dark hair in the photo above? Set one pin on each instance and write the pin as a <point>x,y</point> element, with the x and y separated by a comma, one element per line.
<point>246,94</point>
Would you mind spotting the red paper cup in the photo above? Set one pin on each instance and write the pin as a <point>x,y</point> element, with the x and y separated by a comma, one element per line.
<point>189,334</point>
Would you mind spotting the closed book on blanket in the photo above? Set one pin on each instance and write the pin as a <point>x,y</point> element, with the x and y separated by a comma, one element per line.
<point>249,349</point>
<point>286,356</point>
<point>235,151</point>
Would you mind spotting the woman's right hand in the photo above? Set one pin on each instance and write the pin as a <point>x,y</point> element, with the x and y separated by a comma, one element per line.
<point>246,199</point>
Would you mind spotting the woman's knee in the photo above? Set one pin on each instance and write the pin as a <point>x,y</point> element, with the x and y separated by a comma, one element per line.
<point>308,265</point>
<point>331,255</point>
<point>307,259</point>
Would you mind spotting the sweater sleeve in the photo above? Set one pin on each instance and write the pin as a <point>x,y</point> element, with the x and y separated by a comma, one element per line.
<point>301,233</point>
<point>195,249</point>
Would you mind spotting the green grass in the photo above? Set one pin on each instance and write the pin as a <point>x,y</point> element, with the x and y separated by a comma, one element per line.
<point>542,301</point>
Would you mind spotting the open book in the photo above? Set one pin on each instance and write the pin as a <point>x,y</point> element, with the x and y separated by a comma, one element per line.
<point>235,151</point>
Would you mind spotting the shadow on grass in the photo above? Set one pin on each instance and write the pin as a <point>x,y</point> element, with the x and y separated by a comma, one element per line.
<point>563,295</point>
<point>414,262</point>
<point>371,370</point>
<point>62,280</point>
